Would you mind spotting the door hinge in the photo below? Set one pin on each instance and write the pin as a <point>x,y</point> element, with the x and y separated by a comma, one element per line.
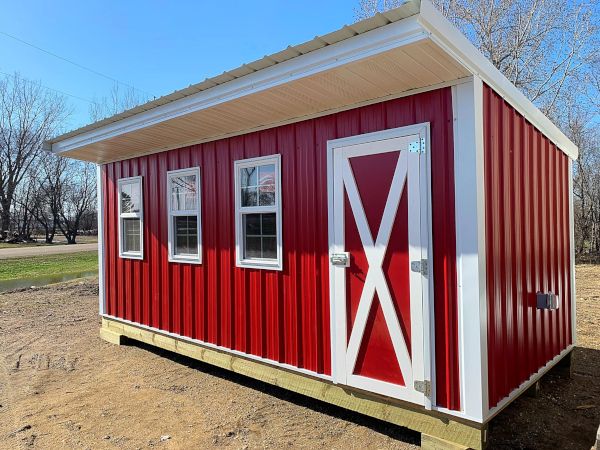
<point>417,146</point>
<point>420,267</point>
<point>424,387</point>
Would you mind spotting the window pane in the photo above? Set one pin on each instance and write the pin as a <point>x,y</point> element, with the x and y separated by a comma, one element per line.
<point>269,224</point>
<point>249,197</point>
<point>266,195</point>
<point>252,247</point>
<point>184,193</point>
<point>248,177</point>
<point>131,235</point>
<point>186,235</point>
<point>266,175</point>
<point>252,224</point>
<point>269,247</point>
<point>182,245</point>
<point>126,198</point>
<point>193,244</point>
<point>266,190</point>
<point>135,197</point>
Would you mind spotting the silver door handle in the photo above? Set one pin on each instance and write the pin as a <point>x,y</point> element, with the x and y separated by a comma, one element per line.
<point>340,259</point>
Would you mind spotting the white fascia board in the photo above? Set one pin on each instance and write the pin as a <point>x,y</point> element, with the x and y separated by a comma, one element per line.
<point>359,47</point>
<point>452,40</point>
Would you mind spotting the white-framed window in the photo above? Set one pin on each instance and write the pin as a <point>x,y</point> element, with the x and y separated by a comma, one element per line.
<point>131,218</point>
<point>185,227</point>
<point>258,212</point>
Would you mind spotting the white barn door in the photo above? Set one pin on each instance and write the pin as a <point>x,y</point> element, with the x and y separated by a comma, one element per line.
<point>379,265</point>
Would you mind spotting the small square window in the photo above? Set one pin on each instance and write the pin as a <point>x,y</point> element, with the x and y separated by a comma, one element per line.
<point>258,217</point>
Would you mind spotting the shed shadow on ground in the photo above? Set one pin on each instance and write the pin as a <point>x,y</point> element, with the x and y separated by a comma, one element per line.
<point>549,422</point>
<point>392,431</point>
<point>566,416</point>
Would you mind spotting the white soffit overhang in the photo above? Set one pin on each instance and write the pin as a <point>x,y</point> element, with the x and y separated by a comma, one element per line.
<point>408,48</point>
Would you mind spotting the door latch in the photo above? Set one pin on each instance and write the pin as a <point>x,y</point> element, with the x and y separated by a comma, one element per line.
<point>424,387</point>
<point>340,259</point>
<point>420,267</point>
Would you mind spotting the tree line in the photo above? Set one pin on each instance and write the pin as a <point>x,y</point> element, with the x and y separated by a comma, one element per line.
<point>550,50</point>
<point>42,194</point>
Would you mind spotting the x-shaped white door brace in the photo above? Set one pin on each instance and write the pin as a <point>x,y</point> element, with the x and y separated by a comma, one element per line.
<point>375,279</point>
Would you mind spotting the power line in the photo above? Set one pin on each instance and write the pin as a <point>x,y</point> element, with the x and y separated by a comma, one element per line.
<point>49,88</point>
<point>74,63</point>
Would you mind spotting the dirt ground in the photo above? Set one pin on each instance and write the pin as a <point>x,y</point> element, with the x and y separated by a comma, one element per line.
<point>62,387</point>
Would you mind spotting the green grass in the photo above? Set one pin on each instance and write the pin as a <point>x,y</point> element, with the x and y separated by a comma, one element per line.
<point>29,244</point>
<point>35,266</point>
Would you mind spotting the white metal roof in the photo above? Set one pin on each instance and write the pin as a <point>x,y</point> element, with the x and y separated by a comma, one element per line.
<point>407,48</point>
<point>407,9</point>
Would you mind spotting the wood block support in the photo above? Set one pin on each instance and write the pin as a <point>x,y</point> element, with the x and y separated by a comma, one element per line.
<point>564,367</point>
<point>432,424</point>
<point>112,337</point>
<point>434,443</point>
<point>534,391</point>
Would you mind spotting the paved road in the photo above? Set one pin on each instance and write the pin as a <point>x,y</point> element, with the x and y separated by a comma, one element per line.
<point>46,250</point>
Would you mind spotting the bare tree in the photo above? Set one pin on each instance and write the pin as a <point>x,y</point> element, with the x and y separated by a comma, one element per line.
<point>25,192</point>
<point>119,99</point>
<point>79,199</point>
<point>368,8</point>
<point>547,48</point>
<point>53,176</point>
<point>29,114</point>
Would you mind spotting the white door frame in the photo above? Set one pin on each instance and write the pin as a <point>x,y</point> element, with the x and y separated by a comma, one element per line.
<point>337,302</point>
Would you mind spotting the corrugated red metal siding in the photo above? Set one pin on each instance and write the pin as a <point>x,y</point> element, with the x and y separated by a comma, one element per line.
<point>527,247</point>
<point>282,316</point>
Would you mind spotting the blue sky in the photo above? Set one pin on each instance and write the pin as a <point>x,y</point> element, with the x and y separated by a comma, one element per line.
<point>158,46</point>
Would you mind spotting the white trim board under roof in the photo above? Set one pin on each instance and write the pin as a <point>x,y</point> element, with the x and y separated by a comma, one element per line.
<point>408,48</point>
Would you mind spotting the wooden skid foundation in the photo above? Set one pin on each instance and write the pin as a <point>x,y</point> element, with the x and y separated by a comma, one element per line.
<point>462,434</point>
<point>434,443</point>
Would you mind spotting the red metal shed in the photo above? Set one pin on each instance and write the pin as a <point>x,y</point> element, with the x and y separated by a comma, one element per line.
<point>375,218</point>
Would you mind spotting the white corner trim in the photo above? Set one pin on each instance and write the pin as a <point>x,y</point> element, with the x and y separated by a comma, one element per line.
<point>470,247</point>
<point>458,46</point>
<point>222,349</point>
<point>572,256</point>
<point>381,39</point>
<point>101,259</point>
<point>172,257</point>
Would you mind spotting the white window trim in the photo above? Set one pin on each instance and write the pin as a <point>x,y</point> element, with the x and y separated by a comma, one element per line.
<point>138,215</point>
<point>272,264</point>
<point>190,259</point>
